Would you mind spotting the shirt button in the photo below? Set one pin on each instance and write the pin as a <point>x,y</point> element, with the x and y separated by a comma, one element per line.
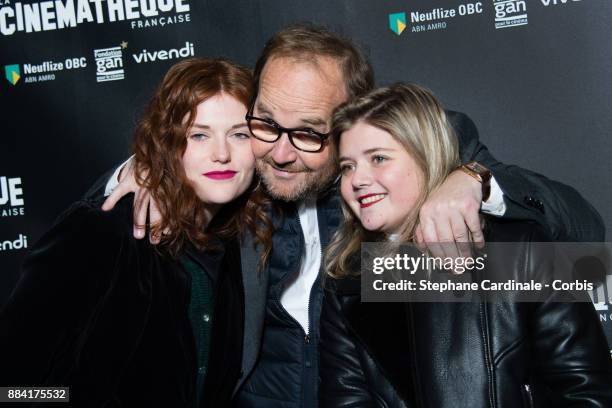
<point>202,370</point>
<point>206,318</point>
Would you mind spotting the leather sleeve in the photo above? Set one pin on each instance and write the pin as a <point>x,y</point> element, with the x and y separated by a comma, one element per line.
<point>572,356</point>
<point>342,380</point>
<point>559,208</point>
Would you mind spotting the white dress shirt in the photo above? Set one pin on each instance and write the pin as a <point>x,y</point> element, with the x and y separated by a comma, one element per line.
<point>296,295</point>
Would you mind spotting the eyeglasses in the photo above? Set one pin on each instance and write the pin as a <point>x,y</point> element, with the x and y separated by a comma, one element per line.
<point>304,139</point>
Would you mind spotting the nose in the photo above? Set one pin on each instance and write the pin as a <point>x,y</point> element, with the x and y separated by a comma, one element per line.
<point>362,177</point>
<point>221,152</point>
<point>283,151</point>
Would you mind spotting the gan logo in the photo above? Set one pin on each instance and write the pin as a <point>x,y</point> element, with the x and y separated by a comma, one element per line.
<point>12,73</point>
<point>397,22</point>
<point>109,64</point>
<point>11,194</point>
<point>510,13</point>
<point>20,243</point>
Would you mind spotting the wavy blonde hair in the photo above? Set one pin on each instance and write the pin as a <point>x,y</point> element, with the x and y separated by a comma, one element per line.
<point>415,118</point>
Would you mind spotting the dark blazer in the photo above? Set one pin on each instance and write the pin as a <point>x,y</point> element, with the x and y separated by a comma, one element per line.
<point>107,315</point>
<point>479,354</point>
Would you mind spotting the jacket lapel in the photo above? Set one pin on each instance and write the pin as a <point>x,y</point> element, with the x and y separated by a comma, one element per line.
<point>255,291</point>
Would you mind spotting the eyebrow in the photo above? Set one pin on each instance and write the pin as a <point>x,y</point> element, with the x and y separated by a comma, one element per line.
<point>262,108</point>
<point>200,126</point>
<point>314,121</point>
<point>239,125</point>
<point>308,121</point>
<point>206,127</point>
<point>370,151</point>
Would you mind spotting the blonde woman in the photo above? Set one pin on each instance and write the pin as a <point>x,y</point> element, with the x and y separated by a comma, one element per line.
<point>395,146</point>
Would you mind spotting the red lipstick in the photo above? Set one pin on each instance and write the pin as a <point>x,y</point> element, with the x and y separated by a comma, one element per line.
<point>220,175</point>
<point>379,196</point>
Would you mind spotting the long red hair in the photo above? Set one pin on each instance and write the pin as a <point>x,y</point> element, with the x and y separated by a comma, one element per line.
<point>160,142</point>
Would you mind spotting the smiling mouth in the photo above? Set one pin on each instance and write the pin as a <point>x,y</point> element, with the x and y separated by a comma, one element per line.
<point>286,171</point>
<point>370,199</point>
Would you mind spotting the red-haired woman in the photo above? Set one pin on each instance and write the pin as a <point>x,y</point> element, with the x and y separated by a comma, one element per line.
<point>124,323</point>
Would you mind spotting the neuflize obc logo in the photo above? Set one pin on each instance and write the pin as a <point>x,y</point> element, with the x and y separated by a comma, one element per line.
<point>12,73</point>
<point>397,22</point>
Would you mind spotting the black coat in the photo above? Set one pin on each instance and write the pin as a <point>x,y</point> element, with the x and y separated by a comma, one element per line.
<point>451,355</point>
<point>107,316</point>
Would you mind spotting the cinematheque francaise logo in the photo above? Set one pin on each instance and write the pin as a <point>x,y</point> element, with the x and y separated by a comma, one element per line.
<point>11,197</point>
<point>21,17</point>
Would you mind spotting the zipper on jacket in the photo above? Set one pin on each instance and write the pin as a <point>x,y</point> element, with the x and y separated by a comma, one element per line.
<point>303,241</point>
<point>306,333</point>
<point>308,387</point>
<point>308,301</point>
<point>528,395</point>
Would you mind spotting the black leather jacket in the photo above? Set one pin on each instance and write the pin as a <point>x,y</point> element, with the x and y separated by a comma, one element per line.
<point>497,354</point>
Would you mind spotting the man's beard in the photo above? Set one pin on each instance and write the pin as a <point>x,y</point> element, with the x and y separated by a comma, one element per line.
<point>311,185</point>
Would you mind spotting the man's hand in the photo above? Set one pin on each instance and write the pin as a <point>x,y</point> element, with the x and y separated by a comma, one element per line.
<point>450,215</point>
<point>142,203</point>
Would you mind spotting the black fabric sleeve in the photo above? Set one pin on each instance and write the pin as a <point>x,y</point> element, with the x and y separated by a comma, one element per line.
<point>559,208</point>
<point>47,323</point>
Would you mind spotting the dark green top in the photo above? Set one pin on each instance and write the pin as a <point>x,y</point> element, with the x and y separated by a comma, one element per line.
<point>200,314</point>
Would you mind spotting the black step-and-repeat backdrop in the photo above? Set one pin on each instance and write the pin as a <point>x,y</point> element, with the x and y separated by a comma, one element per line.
<point>533,74</point>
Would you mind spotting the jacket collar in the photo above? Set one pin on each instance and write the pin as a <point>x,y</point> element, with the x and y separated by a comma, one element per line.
<point>209,260</point>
